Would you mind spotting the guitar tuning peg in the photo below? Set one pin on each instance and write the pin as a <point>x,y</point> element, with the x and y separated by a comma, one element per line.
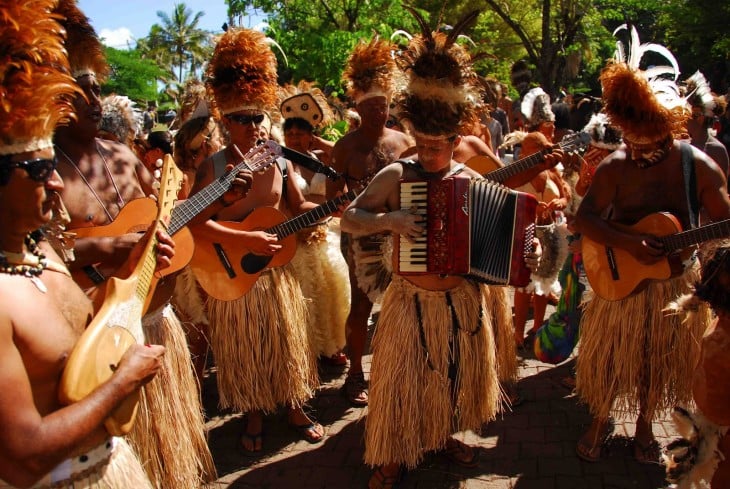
<point>155,185</point>
<point>157,174</point>
<point>158,163</point>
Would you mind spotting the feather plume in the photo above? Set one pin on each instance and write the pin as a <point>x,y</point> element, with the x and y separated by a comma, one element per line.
<point>194,101</point>
<point>36,90</point>
<point>120,118</point>
<point>371,70</point>
<point>700,95</point>
<point>646,105</point>
<point>85,51</point>
<point>536,108</point>
<point>241,73</point>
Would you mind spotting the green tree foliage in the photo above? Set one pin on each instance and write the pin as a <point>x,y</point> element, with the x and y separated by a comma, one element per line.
<point>177,43</point>
<point>131,75</point>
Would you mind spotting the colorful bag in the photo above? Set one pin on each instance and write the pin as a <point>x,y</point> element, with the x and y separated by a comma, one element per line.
<point>558,335</point>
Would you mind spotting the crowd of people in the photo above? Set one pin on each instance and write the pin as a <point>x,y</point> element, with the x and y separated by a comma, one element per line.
<point>284,249</point>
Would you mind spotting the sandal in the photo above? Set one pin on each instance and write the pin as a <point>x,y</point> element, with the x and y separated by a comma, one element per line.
<point>355,389</point>
<point>647,454</point>
<point>309,431</point>
<point>379,480</point>
<point>592,453</point>
<point>460,453</point>
<point>252,441</point>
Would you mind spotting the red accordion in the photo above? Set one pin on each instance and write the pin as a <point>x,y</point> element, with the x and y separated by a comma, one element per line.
<point>476,228</point>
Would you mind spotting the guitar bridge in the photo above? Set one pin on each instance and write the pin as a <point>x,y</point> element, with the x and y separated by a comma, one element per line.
<point>223,257</point>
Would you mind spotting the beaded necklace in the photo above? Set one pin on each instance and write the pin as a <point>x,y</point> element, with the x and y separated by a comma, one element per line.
<point>29,265</point>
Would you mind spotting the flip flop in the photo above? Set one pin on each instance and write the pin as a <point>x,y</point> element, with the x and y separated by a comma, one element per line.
<point>381,481</point>
<point>253,441</point>
<point>308,432</point>
<point>458,453</point>
<point>592,453</point>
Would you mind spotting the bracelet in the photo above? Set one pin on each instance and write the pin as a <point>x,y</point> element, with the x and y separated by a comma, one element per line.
<point>223,201</point>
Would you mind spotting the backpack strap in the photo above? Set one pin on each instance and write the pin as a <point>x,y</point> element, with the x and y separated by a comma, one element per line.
<point>281,163</point>
<point>690,183</point>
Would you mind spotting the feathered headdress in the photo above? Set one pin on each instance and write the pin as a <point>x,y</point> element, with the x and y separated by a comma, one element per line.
<point>443,90</point>
<point>241,74</point>
<point>536,108</point>
<point>85,51</point>
<point>36,90</point>
<point>194,101</point>
<point>700,95</point>
<point>371,70</point>
<point>645,104</point>
<point>120,118</point>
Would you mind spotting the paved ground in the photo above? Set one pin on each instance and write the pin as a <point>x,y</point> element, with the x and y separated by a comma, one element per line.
<point>531,447</point>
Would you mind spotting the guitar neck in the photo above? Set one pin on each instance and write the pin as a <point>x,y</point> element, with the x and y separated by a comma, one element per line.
<point>685,239</point>
<point>298,223</point>
<point>260,157</point>
<point>508,171</point>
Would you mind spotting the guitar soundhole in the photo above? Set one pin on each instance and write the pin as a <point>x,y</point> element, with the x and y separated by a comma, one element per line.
<point>254,263</point>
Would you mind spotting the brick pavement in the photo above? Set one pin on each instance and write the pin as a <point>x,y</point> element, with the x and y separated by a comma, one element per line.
<point>531,447</point>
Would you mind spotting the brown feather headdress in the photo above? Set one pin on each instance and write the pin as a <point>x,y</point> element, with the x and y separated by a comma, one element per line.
<point>36,89</point>
<point>241,74</point>
<point>443,90</point>
<point>371,70</point>
<point>85,51</point>
<point>643,103</point>
<point>194,101</point>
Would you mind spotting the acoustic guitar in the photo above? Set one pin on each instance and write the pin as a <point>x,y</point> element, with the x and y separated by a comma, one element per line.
<point>615,274</point>
<point>226,270</point>
<point>118,324</point>
<point>570,143</point>
<point>138,214</point>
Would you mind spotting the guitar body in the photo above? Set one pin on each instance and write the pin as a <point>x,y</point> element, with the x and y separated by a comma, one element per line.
<point>615,274</point>
<point>219,266</point>
<point>135,217</point>
<point>481,164</point>
<point>99,350</point>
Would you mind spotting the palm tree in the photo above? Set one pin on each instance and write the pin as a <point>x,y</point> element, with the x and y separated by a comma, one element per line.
<point>178,42</point>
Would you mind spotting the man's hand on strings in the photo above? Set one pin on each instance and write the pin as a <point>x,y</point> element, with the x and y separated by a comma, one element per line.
<point>239,188</point>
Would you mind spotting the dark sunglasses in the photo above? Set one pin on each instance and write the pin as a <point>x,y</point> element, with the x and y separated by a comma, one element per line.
<point>39,169</point>
<point>247,119</point>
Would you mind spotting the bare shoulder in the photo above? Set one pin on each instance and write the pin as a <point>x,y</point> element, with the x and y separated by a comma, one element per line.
<point>121,154</point>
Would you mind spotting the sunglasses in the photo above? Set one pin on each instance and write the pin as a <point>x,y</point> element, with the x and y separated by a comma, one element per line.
<point>39,169</point>
<point>247,119</point>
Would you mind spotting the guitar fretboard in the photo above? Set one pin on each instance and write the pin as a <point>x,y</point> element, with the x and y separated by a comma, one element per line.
<point>685,239</point>
<point>256,159</point>
<point>310,217</point>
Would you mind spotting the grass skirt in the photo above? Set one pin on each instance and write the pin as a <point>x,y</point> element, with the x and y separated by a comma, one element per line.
<point>121,471</point>
<point>632,351</point>
<point>260,345</point>
<point>411,408</point>
<point>497,300</point>
<point>169,432</point>
<point>322,274</point>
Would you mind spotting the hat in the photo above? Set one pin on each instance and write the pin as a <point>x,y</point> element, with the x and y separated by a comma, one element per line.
<point>85,51</point>
<point>120,118</point>
<point>603,134</point>
<point>302,106</point>
<point>194,101</point>
<point>536,107</point>
<point>36,90</point>
<point>371,70</point>
<point>442,90</point>
<point>645,104</point>
<point>241,74</point>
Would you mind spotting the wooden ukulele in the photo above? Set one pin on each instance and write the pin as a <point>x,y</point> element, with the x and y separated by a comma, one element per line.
<point>226,270</point>
<point>615,274</point>
<point>118,324</point>
<point>138,214</point>
<point>570,143</point>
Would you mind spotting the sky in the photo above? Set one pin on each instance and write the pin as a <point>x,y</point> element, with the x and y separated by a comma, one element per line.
<point>119,23</point>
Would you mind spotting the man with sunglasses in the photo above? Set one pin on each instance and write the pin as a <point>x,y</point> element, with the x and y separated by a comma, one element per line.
<point>259,340</point>
<point>42,311</point>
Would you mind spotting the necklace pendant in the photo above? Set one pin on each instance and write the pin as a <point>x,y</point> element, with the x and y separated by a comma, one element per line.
<point>39,284</point>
